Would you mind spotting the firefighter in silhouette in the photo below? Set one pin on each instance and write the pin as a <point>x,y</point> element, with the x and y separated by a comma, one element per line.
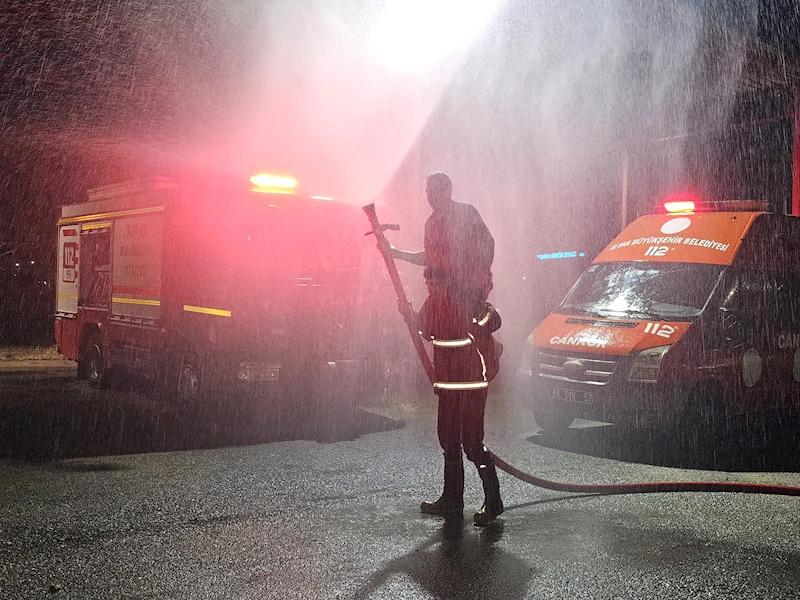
<point>456,317</point>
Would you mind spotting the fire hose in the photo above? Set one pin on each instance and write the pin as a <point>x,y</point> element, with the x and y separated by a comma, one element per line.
<point>581,488</point>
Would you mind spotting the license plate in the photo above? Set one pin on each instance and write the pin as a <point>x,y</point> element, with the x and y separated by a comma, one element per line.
<point>572,395</point>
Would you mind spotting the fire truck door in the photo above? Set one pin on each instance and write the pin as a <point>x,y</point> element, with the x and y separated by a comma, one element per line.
<point>95,272</point>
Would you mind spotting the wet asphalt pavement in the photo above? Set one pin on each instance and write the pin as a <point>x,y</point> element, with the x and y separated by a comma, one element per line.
<point>119,495</point>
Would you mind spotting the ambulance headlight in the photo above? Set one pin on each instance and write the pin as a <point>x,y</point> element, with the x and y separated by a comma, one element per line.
<point>647,364</point>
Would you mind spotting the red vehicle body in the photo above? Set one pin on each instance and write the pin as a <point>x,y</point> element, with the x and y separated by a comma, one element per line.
<point>683,319</point>
<point>210,285</point>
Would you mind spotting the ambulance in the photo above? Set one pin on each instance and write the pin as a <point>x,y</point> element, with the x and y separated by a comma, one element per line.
<point>220,285</point>
<point>685,320</point>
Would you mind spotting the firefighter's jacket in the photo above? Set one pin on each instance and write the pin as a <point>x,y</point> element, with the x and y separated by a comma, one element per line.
<point>465,356</point>
<point>459,250</point>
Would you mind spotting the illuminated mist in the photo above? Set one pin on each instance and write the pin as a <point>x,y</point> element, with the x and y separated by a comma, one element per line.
<point>533,119</point>
<point>532,112</point>
<point>531,107</point>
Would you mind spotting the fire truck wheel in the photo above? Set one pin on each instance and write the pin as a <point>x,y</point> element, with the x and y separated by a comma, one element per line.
<point>552,417</point>
<point>189,380</point>
<point>94,363</point>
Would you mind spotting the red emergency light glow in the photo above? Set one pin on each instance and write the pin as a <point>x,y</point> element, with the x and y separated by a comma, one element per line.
<point>264,182</point>
<point>686,204</point>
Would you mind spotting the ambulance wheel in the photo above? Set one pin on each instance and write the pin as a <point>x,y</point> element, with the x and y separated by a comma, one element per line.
<point>93,363</point>
<point>553,417</point>
<point>188,385</point>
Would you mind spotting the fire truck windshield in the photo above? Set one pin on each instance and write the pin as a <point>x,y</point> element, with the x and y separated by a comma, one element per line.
<point>642,290</point>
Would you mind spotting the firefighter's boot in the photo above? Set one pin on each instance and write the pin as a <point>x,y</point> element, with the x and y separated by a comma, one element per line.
<point>451,501</point>
<point>493,504</point>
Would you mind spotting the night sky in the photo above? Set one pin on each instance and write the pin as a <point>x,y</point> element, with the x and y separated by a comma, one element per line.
<point>87,93</point>
<point>779,24</point>
<point>776,22</point>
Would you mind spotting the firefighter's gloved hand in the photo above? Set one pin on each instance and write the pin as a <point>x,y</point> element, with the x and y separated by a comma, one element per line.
<point>384,246</point>
<point>409,316</point>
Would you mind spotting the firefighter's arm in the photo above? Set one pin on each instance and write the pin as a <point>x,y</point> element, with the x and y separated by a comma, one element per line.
<point>415,258</point>
<point>409,316</point>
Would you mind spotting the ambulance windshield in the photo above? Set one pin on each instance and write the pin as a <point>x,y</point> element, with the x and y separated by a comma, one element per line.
<point>642,290</point>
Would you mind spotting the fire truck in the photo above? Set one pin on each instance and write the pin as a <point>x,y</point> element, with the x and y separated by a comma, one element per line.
<point>686,319</point>
<point>214,285</point>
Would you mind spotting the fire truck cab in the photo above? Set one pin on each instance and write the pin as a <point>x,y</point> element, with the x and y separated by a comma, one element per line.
<point>210,285</point>
<point>684,320</point>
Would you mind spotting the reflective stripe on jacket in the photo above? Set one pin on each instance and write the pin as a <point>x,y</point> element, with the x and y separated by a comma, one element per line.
<point>458,364</point>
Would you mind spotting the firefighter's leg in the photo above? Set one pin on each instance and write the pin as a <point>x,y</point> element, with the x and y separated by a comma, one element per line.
<point>451,501</point>
<point>474,407</point>
<point>493,504</point>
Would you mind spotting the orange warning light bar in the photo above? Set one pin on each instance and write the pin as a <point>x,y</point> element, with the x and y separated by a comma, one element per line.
<point>266,182</point>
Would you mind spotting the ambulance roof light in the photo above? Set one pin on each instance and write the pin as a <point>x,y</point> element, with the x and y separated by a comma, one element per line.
<point>685,206</point>
<point>683,201</point>
<point>679,206</point>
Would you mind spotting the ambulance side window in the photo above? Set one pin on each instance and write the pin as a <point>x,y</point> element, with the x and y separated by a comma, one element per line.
<point>743,309</point>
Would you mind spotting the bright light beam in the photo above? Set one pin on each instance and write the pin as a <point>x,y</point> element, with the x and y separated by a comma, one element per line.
<point>415,35</point>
